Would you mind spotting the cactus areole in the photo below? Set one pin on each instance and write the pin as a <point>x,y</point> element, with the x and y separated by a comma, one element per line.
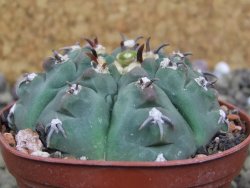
<point>134,104</point>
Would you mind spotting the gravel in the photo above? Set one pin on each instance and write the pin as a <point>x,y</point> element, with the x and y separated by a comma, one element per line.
<point>6,179</point>
<point>243,180</point>
<point>235,88</point>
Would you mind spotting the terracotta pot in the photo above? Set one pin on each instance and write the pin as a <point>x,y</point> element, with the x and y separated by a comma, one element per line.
<point>216,170</point>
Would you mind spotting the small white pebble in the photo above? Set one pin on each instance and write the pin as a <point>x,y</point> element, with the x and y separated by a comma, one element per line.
<point>221,68</point>
<point>200,156</point>
<point>83,158</point>
<point>217,139</point>
<point>40,154</point>
<point>248,101</point>
<point>28,141</point>
<point>239,128</point>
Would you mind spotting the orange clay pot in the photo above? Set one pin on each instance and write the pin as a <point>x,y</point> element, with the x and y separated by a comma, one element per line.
<point>216,170</point>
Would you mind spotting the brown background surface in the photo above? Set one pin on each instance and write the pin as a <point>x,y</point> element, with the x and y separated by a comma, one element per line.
<point>213,30</point>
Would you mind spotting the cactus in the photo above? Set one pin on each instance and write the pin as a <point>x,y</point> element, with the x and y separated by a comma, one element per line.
<point>132,105</point>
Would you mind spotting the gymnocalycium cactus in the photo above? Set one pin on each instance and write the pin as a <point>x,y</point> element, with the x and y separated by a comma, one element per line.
<point>132,105</point>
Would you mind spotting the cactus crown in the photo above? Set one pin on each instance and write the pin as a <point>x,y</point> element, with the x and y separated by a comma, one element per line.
<point>133,104</point>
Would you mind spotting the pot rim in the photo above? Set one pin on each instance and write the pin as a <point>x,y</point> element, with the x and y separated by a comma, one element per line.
<point>103,163</point>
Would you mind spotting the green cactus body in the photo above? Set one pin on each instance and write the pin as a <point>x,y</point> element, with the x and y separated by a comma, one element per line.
<point>130,111</point>
<point>38,93</point>
<point>83,121</point>
<point>194,102</point>
<point>130,105</point>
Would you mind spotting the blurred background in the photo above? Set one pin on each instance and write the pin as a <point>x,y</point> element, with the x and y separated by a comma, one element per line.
<point>214,31</point>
